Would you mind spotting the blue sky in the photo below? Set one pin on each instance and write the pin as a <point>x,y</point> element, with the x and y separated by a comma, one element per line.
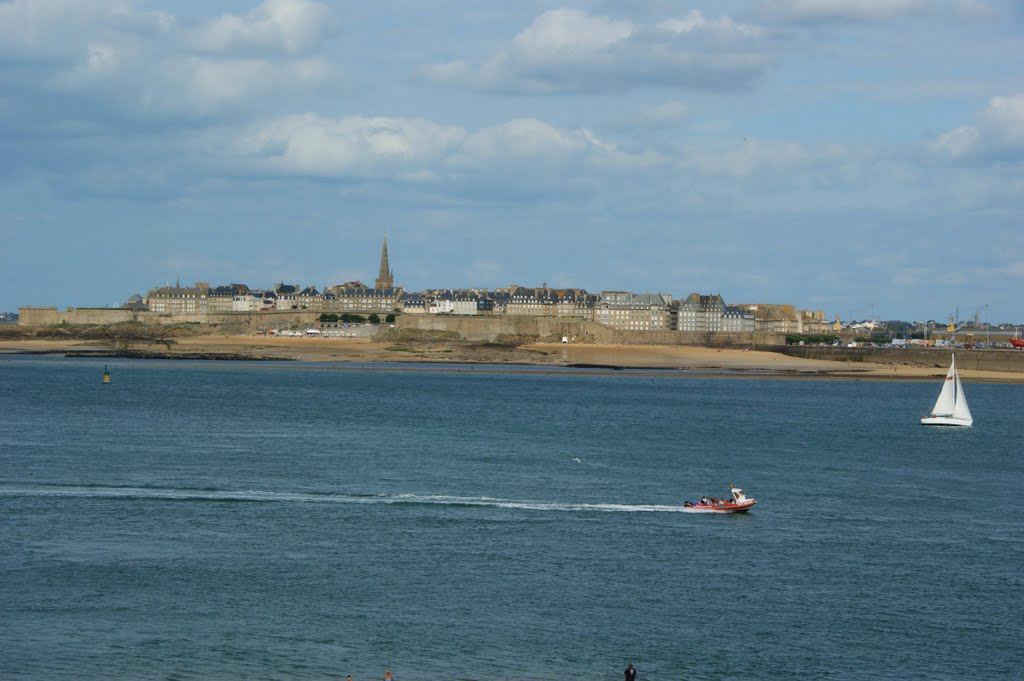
<point>857,157</point>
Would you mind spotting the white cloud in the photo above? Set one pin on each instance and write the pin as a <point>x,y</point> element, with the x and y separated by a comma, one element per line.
<point>568,34</point>
<point>102,57</point>
<point>288,26</point>
<point>115,61</point>
<point>126,83</point>
<point>521,153</point>
<point>997,134</point>
<point>356,146</point>
<point>957,142</point>
<point>695,22</point>
<point>57,29</point>
<point>567,50</point>
<point>413,149</point>
<point>528,138</point>
<point>201,87</point>
<point>99,62</point>
<point>840,11</point>
<point>1005,117</point>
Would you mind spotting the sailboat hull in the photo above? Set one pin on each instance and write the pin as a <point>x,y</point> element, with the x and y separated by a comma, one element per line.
<point>945,421</point>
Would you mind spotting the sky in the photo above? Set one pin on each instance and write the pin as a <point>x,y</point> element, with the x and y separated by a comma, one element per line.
<point>862,158</point>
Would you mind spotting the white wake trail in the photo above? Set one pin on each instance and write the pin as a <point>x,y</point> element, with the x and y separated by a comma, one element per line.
<point>172,494</point>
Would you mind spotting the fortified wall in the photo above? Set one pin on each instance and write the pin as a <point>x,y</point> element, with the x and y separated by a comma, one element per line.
<point>243,322</point>
<point>552,329</point>
<point>486,329</point>
<point>979,360</point>
<point>48,316</point>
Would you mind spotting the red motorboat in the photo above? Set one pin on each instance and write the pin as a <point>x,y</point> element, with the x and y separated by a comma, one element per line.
<point>738,504</point>
<point>1016,341</point>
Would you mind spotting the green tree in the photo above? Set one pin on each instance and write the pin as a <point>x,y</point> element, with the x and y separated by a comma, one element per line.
<point>810,339</point>
<point>328,317</point>
<point>390,319</point>
<point>374,319</point>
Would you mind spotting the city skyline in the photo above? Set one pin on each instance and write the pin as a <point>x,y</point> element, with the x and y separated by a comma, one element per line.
<point>860,158</point>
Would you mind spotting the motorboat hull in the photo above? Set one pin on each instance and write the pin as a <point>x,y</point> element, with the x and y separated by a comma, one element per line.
<point>728,507</point>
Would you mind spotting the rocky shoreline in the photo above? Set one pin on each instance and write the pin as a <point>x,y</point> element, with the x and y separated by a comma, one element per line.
<point>446,355</point>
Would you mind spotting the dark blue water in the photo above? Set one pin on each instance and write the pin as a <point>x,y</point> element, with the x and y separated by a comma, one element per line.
<point>223,521</point>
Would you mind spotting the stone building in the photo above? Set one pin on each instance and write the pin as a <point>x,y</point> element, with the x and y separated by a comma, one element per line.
<point>310,299</point>
<point>697,313</point>
<point>295,297</point>
<point>735,320</point>
<point>222,298</point>
<point>633,311</point>
<point>787,319</point>
<point>361,300</point>
<point>441,302</point>
<point>287,296</point>
<point>179,299</point>
<point>709,314</point>
<point>544,301</point>
<point>497,302</point>
<point>251,301</point>
<point>412,303</point>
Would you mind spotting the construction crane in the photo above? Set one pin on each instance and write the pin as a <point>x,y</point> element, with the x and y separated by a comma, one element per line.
<point>955,326</point>
<point>952,327</point>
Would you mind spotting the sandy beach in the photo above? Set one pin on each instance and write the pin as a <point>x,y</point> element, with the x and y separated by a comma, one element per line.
<point>697,360</point>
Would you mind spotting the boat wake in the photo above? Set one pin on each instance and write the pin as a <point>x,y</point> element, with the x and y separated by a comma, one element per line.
<point>260,496</point>
<point>536,505</point>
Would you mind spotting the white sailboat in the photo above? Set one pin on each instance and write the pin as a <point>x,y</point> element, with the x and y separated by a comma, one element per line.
<point>951,408</point>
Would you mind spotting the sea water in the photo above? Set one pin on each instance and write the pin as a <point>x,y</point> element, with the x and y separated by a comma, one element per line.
<point>283,521</point>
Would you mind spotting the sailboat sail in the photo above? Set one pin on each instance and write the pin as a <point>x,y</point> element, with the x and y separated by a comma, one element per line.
<point>951,407</point>
<point>946,404</point>
<point>961,410</point>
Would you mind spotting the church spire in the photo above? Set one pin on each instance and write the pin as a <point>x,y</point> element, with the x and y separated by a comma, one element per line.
<point>386,278</point>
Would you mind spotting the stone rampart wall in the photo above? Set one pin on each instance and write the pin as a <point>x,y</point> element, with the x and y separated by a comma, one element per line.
<point>552,329</point>
<point>46,316</point>
<point>265,320</point>
<point>242,321</point>
<point>980,360</point>
<point>37,316</point>
<point>474,328</point>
